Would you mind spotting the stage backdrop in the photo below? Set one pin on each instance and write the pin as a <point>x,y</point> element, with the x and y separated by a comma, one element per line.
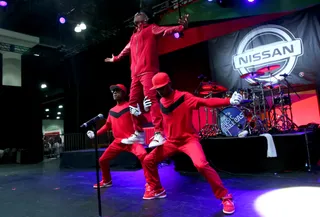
<point>292,42</point>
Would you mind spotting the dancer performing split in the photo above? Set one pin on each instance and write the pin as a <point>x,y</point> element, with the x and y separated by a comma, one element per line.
<point>143,51</point>
<point>120,122</point>
<point>176,107</point>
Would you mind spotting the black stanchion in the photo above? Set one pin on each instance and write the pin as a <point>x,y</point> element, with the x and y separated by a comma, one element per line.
<point>93,126</point>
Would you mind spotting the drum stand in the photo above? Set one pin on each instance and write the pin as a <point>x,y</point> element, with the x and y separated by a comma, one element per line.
<point>259,125</point>
<point>287,123</point>
<point>209,130</point>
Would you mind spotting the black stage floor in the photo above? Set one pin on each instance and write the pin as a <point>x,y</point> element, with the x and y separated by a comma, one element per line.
<point>45,190</point>
<point>237,155</point>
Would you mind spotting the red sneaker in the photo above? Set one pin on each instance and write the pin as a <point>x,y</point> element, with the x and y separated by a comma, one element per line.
<point>103,184</point>
<point>150,194</point>
<point>228,205</point>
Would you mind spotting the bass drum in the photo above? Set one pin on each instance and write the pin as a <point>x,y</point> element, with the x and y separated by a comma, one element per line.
<point>233,120</point>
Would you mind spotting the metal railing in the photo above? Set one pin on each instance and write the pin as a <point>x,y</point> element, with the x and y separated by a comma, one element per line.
<point>74,142</point>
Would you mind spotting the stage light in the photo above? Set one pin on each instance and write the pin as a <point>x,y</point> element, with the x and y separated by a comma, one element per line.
<point>47,116</point>
<point>3,3</point>
<point>60,106</point>
<point>77,29</point>
<point>58,113</point>
<point>289,202</point>
<point>47,110</point>
<point>58,117</point>
<point>250,1</point>
<point>83,26</point>
<point>209,0</point>
<point>43,86</point>
<point>62,20</point>
<point>176,35</point>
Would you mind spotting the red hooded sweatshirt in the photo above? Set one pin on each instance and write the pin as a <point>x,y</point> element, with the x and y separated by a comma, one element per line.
<point>143,48</point>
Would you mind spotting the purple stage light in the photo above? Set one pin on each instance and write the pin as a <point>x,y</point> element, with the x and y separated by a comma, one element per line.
<point>176,35</point>
<point>3,3</point>
<point>62,20</point>
<point>250,0</point>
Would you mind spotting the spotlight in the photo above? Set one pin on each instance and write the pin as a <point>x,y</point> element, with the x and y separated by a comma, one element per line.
<point>3,3</point>
<point>58,113</point>
<point>47,110</point>
<point>77,28</point>
<point>43,86</point>
<point>60,106</point>
<point>83,26</point>
<point>58,117</point>
<point>178,35</point>
<point>250,0</point>
<point>62,20</point>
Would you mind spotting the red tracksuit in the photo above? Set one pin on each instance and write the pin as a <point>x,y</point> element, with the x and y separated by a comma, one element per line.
<point>143,50</point>
<point>119,121</point>
<point>181,136</point>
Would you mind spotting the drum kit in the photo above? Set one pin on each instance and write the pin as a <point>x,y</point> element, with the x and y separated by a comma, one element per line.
<point>265,107</point>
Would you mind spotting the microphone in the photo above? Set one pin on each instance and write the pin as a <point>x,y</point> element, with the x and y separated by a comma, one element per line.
<point>92,120</point>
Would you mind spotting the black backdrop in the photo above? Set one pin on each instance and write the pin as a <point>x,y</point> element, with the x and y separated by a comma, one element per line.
<point>20,115</point>
<point>300,30</point>
<point>89,78</point>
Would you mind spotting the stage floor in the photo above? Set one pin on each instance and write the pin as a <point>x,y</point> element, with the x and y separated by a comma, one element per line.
<point>46,190</point>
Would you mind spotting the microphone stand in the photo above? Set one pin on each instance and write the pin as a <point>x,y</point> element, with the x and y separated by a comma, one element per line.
<point>94,129</point>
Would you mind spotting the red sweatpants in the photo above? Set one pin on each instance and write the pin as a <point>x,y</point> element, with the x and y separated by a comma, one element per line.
<point>194,150</point>
<point>140,87</point>
<point>113,150</point>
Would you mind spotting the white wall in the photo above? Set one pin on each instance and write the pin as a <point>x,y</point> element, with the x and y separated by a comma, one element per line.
<point>52,125</point>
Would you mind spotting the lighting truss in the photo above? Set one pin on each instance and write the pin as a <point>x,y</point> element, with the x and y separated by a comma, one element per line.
<point>162,8</point>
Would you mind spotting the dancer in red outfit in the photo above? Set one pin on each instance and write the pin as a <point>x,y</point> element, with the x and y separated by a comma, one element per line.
<point>143,51</point>
<point>120,122</point>
<point>176,107</point>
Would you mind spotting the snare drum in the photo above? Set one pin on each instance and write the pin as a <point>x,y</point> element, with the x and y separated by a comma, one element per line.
<point>233,120</point>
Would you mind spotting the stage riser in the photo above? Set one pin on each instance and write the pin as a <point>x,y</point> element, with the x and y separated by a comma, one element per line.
<point>249,155</point>
<point>86,159</point>
<point>237,155</point>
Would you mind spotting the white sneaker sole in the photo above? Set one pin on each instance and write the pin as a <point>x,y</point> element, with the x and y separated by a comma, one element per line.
<point>156,197</point>
<point>103,186</point>
<point>154,145</point>
<point>228,213</point>
<point>126,142</point>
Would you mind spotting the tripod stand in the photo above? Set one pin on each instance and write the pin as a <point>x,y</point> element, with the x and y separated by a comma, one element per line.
<point>285,106</point>
<point>209,129</point>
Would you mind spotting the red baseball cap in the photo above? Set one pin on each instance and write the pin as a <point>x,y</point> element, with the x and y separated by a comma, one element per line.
<point>118,86</point>
<point>159,80</point>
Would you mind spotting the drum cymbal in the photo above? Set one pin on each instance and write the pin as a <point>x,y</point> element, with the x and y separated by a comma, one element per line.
<point>269,68</point>
<point>208,92</point>
<point>252,75</point>
<point>212,87</point>
<point>272,86</point>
